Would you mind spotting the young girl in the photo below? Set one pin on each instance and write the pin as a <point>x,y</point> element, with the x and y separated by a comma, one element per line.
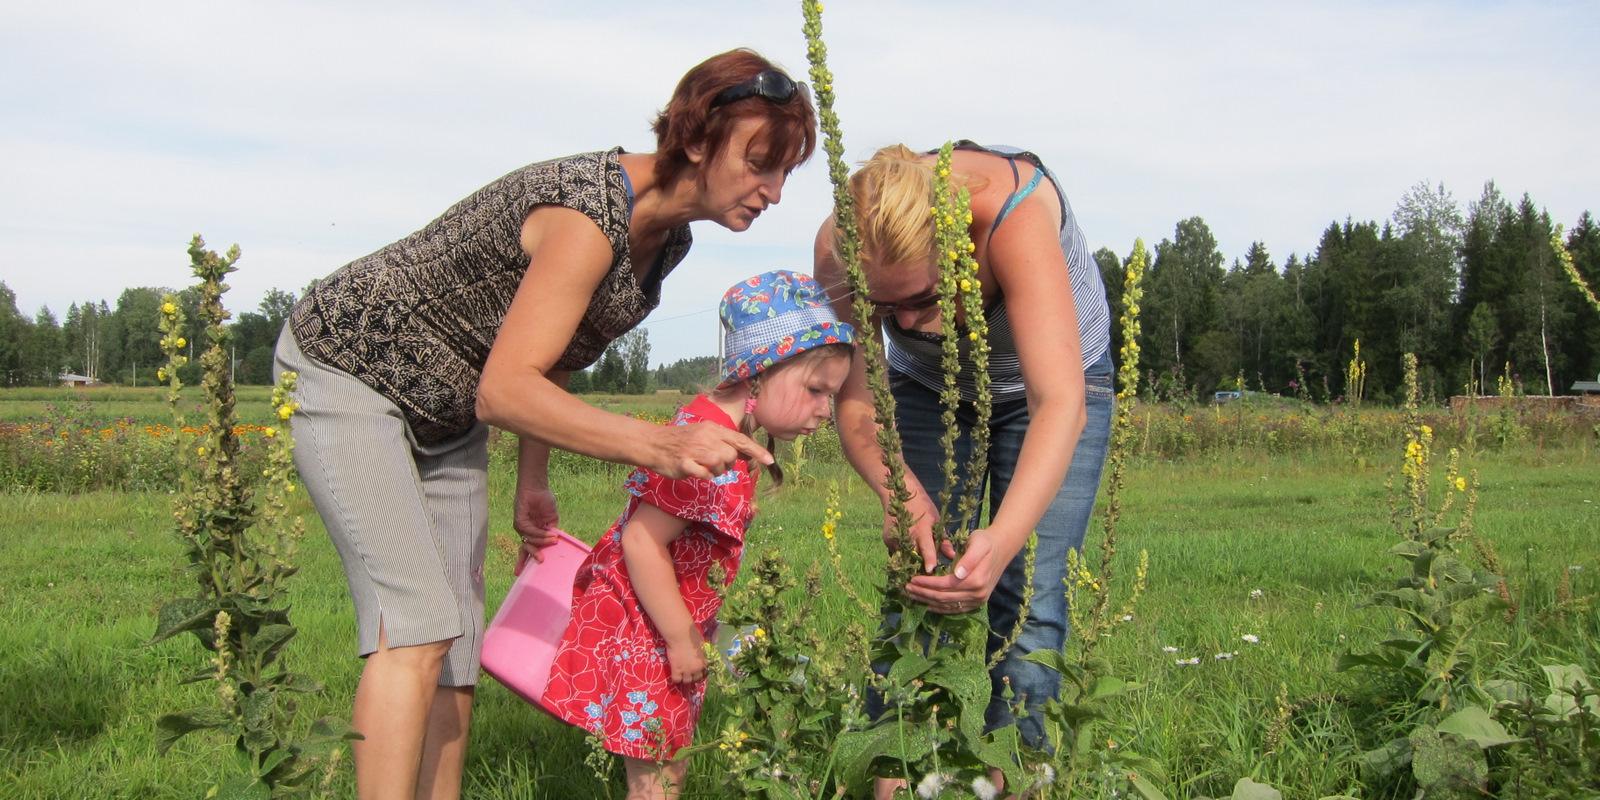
<point>631,667</point>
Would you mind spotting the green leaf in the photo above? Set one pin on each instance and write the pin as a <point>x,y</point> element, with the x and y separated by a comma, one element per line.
<point>1247,789</point>
<point>1446,764</point>
<point>274,759</point>
<point>270,640</point>
<point>1383,660</point>
<point>1563,679</point>
<point>855,751</point>
<point>325,732</point>
<point>257,712</point>
<point>1054,659</point>
<point>998,750</point>
<point>172,727</point>
<point>1507,691</point>
<point>1475,724</point>
<point>1146,789</point>
<point>1408,548</point>
<point>184,614</point>
<point>1108,686</point>
<point>1385,761</point>
<point>908,667</point>
<point>243,787</point>
<point>297,682</point>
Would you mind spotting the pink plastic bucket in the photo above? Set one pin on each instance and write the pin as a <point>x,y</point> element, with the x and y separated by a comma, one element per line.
<point>521,642</point>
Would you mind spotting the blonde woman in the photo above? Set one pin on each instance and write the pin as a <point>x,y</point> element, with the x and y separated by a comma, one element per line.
<point>1050,368</point>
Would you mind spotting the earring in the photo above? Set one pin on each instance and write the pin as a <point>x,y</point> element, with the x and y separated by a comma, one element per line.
<point>750,404</point>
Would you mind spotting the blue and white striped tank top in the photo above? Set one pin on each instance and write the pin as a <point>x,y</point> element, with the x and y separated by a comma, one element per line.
<point>917,354</point>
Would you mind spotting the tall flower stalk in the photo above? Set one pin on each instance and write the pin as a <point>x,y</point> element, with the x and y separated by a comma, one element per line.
<point>1355,377</point>
<point>240,545</point>
<point>936,687</point>
<point>1565,257</point>
<point>904,560</point>
<point>1122,430</point>
<point>959,286</point>
<point>1088,686</point>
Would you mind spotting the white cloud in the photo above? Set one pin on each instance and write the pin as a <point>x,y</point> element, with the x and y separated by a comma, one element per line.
<point>312,133</point>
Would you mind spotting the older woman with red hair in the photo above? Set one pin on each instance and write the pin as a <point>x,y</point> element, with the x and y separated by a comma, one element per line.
<point>407,355</point>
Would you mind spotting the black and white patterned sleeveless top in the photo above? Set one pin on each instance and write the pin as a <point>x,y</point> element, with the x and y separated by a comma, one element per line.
<point>415,320</point>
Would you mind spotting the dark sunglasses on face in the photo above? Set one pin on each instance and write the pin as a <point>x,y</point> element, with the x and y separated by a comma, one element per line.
<point>919,303</point>
<point>770,84</point>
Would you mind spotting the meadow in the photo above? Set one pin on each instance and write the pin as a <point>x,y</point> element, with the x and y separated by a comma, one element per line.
<point>1267,528</point>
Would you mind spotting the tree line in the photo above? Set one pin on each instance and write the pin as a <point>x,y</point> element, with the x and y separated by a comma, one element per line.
<point>1477,295</point>
<point>120,344</point>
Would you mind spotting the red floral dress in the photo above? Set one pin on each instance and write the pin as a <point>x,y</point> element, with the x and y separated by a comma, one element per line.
<point>610,675</point>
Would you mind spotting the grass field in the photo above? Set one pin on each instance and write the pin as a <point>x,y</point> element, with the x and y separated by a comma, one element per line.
<point>81,576</point>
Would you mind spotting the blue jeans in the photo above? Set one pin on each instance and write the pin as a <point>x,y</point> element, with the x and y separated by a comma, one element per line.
<point>1061,529</point>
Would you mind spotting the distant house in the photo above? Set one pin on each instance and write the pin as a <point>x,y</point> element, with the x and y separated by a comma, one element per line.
<point>70,379</point>
<point>1588,394</point>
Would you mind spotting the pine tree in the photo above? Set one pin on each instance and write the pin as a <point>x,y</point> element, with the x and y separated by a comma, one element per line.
<point>44,355</point>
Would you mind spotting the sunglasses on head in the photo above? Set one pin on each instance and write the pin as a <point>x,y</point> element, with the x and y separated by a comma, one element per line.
<point>769,84</point>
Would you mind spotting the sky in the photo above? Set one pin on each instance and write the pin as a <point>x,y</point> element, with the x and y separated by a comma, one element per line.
<point>311,133</point>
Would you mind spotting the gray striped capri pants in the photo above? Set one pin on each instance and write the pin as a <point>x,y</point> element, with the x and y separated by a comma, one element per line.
<point>410,522</point>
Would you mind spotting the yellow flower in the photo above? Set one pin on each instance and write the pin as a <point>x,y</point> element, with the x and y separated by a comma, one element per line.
<point>761,633</point>
<point>181,342</point>
<point>944,172</point>
<point>200,451</point>
<point>1427,432</point>
<point>828,528</point>
<point>970,246</point>
<point>161,374</point>
<point>819,8</point>
<point>1461,484</point>
<point>168,308</point>
<point>269,432</point>
<point>285,411</point>
<point>966,285</point>
<point>973,336</point>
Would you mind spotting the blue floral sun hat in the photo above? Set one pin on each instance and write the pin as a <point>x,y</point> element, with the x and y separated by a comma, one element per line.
<point>773,316</point>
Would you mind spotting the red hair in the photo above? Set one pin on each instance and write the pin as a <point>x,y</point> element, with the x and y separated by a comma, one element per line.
<point>790,133</point>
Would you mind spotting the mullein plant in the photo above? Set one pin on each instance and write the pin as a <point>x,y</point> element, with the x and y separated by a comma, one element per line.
<point>1076,721</point>
<point>1355,378</point>
<point>239,539</point>
<point>959,287</point>
<point>1508,427</point>
<point>936,687</point>
<point>1428,661</point>
<point>904,560</point>
<point>1565,257</point>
